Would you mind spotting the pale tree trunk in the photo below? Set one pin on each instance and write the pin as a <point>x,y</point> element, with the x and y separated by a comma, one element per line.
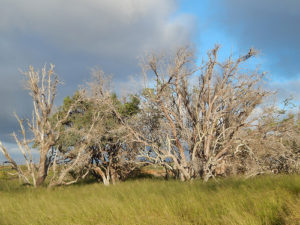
<point>208,169</point>
<point>42,169</point>
<point>183,173</point>
<point>105,180</point>
<point>182,169</point>
<point>114,176</point>
<point>181,176</point>
<point>105,176</point>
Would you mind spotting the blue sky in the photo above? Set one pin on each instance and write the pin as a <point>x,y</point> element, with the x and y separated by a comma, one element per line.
<point>270,26</point>
<point>77,35</point>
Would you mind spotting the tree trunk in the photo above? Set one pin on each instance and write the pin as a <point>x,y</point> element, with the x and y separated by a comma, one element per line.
<point>105,179</point>
<point>207,172</point>
<point>114,176</point>
<point>42,170</point>
<point>181,177</point>
<point>184,174</point>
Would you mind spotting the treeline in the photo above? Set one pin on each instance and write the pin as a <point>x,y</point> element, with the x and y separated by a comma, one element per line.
<point>196,121</point>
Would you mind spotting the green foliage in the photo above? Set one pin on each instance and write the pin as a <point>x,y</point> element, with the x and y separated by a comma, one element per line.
<point>82,115</point>
<point>130,107</point>
<point>79,118</point>
<point>261,200</point>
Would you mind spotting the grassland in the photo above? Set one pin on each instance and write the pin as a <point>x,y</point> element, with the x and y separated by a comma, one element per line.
<point>261,200</point>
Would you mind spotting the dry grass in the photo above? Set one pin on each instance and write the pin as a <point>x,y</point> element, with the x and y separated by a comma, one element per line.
<point>261,200</point>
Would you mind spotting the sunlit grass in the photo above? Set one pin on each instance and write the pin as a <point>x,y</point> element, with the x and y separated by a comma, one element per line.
<point>262,200</point>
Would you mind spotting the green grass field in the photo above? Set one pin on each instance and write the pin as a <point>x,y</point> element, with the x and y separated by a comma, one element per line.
<point>261,200</point>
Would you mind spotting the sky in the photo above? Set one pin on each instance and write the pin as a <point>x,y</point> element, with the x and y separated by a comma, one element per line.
<point>78,35</point>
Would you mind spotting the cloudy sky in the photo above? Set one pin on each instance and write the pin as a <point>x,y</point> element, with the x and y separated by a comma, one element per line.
<point>77,35</point>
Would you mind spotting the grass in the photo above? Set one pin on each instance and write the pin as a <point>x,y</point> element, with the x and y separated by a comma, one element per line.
<point>261,200</point>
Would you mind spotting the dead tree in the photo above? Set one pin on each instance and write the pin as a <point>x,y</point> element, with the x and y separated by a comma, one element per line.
<point>195,112</point>
<point>42,88</point>
<point>272,145</point>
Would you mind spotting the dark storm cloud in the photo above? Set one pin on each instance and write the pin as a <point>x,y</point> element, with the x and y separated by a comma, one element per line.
<point>77,35</point>
<point>272,26</point>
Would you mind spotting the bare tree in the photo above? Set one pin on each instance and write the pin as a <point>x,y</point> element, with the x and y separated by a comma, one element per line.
<point>195,112</point>
<point>272,145</point>
<point>44,133</point>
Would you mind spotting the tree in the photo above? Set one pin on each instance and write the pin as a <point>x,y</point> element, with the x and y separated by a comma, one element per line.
<point>272,145</point>
<point>111,154</point>
<point>42,88</point>
<point>191,127</point>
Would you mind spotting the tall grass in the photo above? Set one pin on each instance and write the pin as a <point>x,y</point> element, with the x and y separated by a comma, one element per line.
<point>261,200</point>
